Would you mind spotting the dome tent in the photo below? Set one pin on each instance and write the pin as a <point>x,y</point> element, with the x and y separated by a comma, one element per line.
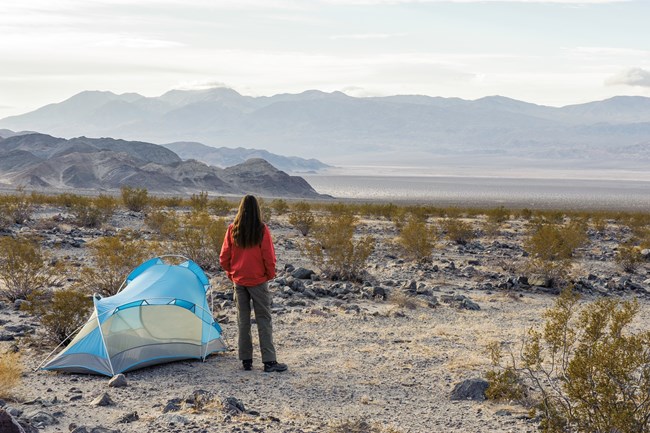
<point>161,315</point>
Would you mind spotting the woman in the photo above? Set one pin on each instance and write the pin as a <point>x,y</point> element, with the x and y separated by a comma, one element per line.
<point>248,257</point>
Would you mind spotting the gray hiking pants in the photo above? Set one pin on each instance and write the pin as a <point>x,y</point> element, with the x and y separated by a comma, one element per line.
<point>262,306</point>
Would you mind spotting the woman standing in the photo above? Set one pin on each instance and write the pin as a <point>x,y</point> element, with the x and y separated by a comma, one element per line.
<point>248,257</point>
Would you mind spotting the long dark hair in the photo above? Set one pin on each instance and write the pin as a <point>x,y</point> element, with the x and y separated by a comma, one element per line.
<point>248,227</point>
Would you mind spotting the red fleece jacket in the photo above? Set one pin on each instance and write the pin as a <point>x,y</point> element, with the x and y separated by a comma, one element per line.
<point>248,266</point>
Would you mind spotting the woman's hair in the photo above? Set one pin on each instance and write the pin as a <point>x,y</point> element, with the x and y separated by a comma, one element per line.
<point>248,227</point>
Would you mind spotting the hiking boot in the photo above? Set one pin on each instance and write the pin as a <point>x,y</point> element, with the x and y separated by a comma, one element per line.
<point>272,366</point>
<point>247,364</point>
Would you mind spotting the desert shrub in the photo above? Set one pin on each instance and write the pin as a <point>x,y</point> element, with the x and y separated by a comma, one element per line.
<point>93,212</point>
<point>200,238</point>
<point>279,206</point>
<point>11,371</point>
<point>220,206</point>
<point>135,199</point>
<point>302,217</point>
<point>403,300</point>
<point>498,215</point>
<point>199,202</point>
<point>629,256</point>
<point>17,208</point>
<point>417,239</point>
<point>588,371</point>
<point>162,222</point>
<point>69,200</point>
<point>165,202</point>
<point>551,249</point>
<point>60,312</point>
<point>114,259</point>
<point>457,230</point>
<point>22,268</point>
<point>506,383</point>
<point>334,249</point>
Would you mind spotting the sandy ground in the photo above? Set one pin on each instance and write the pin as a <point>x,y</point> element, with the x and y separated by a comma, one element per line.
<point>350,360</point>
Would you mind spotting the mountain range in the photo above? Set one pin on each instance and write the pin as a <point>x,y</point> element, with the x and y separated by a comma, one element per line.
<point>44,161</point>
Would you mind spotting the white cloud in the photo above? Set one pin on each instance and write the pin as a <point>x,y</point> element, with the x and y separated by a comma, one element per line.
<point>368,36</point>
<point>199,85</point>
<point>630,77</point>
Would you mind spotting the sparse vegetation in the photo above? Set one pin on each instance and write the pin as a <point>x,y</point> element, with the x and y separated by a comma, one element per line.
<point>302,217</point>
<point>60,312</point>
<point>458,230</point>
<point>10,373</point>
<point>588,371</point>
<point>135,199</point>
<point>335,251</point>
<point>22,268</point>
<point>417,239</point>
<point>552,247</point>
<point>200,238</point>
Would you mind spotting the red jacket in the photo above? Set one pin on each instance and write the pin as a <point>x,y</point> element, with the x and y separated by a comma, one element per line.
<point>248,266</point>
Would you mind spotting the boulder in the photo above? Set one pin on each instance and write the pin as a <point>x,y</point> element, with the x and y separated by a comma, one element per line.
<point>8,423</point>
<point>470,389</point>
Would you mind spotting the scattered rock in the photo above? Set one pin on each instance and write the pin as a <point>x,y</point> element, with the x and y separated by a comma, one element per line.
<point>173,419</point>
<point>128,418</point>
<point>102,400</point>
<point>41,419</point>
<point>302,274</point>
<point>470,389</point>
<point>232,406</point>
<point>8,423</point>
<point>173,405</point>
<point>118,381</point>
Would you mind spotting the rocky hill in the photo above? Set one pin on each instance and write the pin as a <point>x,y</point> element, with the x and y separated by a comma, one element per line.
<point>43,161</point>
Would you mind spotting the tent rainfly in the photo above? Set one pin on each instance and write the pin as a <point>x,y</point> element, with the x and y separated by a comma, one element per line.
<point>162,315</point>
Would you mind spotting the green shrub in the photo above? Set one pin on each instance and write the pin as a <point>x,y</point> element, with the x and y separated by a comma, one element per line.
<point>200,238</point>
<point>279,206</point>
<point>334,249</point>
<point>551,249</point>
<point>629,256</point>
<point>458,230</point>
<point>302,217</point>
<point>114,259</point>
<point>22,268</point>
<point>589,372</point>
<point>135,199</point>
<point>61,312</point>
<point>220,206</point>
<point>199,202</point>
<point>11,371</point>
<point>162,222</point>
<point>93,212</point>
<point>17,208</point>
<point>417,239</point>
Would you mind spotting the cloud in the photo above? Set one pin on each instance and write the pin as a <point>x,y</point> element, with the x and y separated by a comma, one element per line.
<point>368,36</point>
<point>630,77</point>
<point>199,85</point>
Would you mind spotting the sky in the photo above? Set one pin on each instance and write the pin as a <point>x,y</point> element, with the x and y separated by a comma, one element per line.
<point>554,52</point>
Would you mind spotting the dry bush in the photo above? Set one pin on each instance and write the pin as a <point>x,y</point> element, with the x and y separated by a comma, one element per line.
<point>417,239</point>
<point>165,223</point>
<point>551,249</point>
<point>403,300</point>
<point>279,206</point>
<point>199,202</point>
<point>135,199</point>
<point>588,371</point>
<point>220,206</point>
<point>93,212</point>
<point>17,208</point>
<point>335,251</point>
<point>11,371</point>
<point>200,238</point>
<point>302,217</point>
<point>61,312</point>
<point>114,259</point>
<point>629,256</point>
<point>458,230</point>
<point>22,268</point>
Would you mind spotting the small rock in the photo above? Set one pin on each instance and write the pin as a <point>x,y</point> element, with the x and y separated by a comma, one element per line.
<point>232,406</point>
<point>118,381</point>
<point>173,419</point>
<point>102,400</point>
<point>42,419</point>
<point>128,418</point>
<point>302,274</point>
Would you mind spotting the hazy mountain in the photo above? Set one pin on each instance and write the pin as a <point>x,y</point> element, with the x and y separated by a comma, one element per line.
<point>43,161</point>
<point>338,128</point>
<point>227,157</point>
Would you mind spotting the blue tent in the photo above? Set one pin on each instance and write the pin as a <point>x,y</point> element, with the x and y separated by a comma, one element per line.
<point>162,315</point>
